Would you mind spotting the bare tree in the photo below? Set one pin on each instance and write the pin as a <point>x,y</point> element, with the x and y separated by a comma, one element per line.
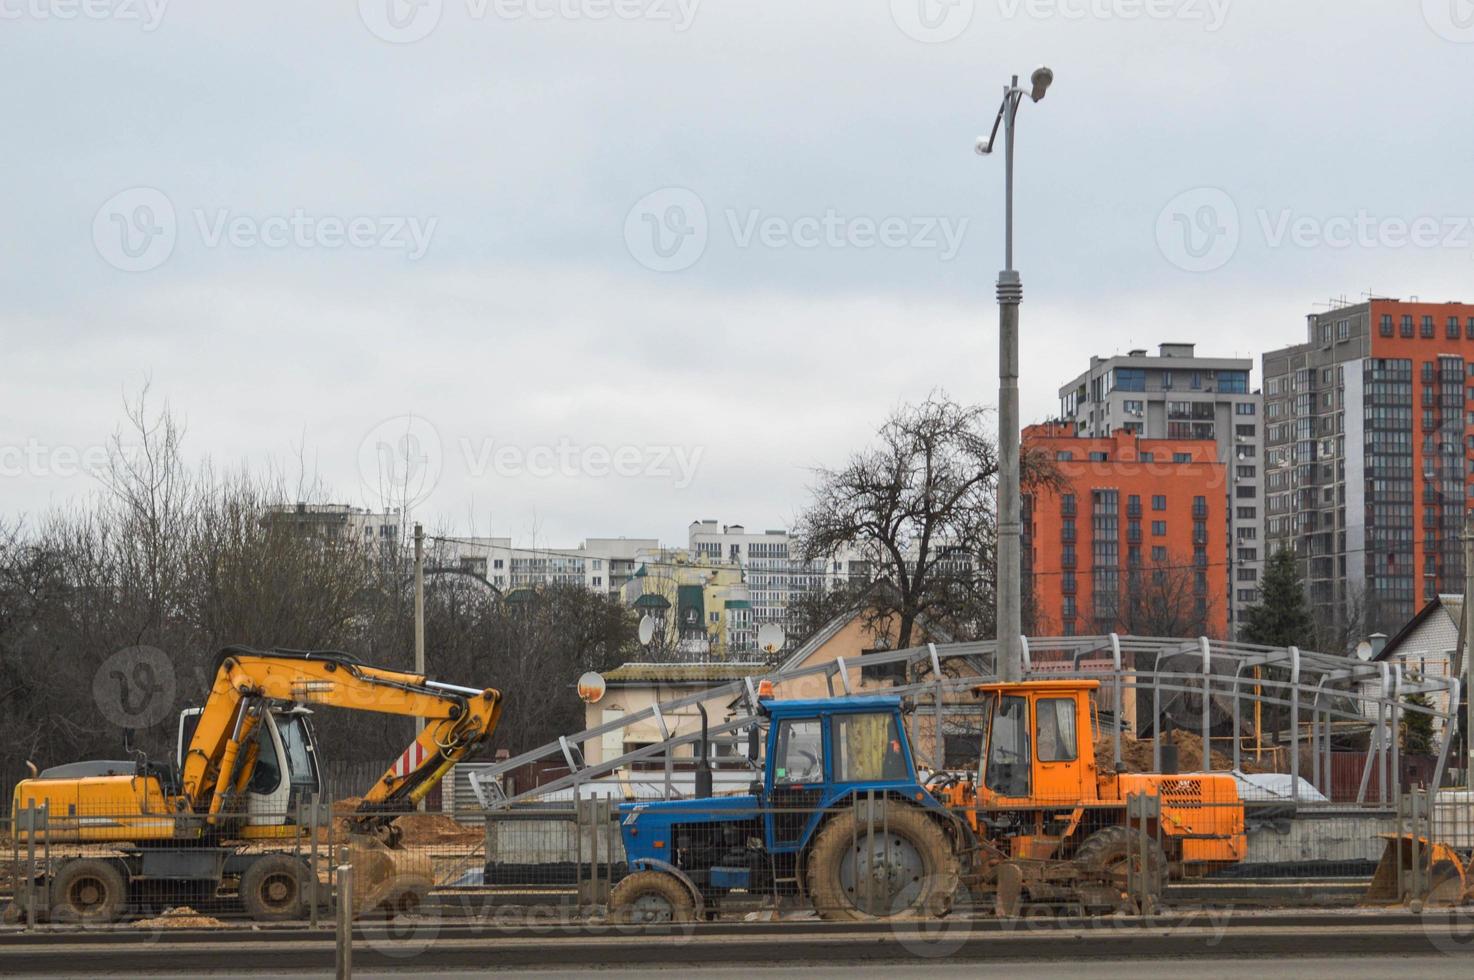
<point>919,508</point>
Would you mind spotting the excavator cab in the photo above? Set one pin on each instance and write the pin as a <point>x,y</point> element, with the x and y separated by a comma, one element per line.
<point>284,772</point>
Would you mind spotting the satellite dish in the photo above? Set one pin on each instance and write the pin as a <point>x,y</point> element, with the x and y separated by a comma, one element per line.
<point>591,688</point>
<point>647,630</point>
<point>770,638</point>
<point>1364,650</point>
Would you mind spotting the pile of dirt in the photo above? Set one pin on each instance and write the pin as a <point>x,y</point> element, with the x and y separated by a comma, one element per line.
<point>434,828</point>
<point>1137,754</point>
<point>182,917</point>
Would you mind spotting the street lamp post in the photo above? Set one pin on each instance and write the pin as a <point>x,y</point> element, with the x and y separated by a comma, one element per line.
<point>1010,664</point>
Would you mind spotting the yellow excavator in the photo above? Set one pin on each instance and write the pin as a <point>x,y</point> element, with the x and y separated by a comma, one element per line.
<point>223,815</point>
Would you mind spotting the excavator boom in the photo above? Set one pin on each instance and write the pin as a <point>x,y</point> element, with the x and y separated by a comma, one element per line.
<point>457,719</point>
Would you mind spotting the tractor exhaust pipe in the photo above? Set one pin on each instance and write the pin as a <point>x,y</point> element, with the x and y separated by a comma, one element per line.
<point>703,764</point>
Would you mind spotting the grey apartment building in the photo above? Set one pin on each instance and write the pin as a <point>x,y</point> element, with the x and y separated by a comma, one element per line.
<point>1176,394</point>
<point>1369,456</point>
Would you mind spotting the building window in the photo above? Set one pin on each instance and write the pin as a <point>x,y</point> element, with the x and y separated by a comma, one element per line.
<point>1244,408</point>
<point>1159,554</point>
<point>1407,325</point>
<point>1159,529</point>
<point>1248,513</point>
<point>1133,407</point>
<point>1246,431</point>
<point>1248,554</point>
<point>1148,457</point>
<point>1386,324</point>
<point>1182,457</point>
<point>1247,472</point>
<point>1064,456</point>
<point>1130,379</point>
<point>1469,329</point>
<point>1159,502</point>
<point>1428,331</point>
<point>1343,330</point>
<point>1098,457</point>
<point>1454,328</point>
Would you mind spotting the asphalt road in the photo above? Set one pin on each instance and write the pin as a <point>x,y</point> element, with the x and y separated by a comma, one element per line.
<point>1345,946</point>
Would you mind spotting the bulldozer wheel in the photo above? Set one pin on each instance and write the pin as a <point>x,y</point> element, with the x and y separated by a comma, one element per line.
<point>651,896</point>
<point>271,889</point>
<point>1107,850</point>
<point>90,891</point>
<point>910,867</point>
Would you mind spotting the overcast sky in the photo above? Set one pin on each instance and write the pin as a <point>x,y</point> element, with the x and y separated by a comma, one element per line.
<point>612,265</point>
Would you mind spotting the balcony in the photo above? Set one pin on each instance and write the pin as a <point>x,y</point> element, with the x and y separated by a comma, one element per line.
<point>1200,512</point>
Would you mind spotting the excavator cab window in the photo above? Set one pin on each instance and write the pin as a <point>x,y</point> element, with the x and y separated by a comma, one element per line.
<point>1009,756</point>
<point>296,739</point>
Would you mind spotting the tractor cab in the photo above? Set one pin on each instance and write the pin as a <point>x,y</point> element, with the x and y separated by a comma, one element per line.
<point>1039,745</point>
<point>822,751</point>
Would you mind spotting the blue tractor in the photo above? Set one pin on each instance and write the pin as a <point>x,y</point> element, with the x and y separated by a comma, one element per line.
<point>838,817</point>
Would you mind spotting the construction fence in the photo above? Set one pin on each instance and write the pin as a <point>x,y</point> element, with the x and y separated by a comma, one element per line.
<point>867,856</point>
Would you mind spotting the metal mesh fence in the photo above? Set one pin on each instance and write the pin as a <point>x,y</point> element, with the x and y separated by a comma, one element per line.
<point>873,854</point>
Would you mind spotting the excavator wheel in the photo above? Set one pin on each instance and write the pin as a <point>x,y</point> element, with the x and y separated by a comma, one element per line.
<point>650,897</point>
<point>1107,851</point>
<point>89,891</point>
<point>898,862</point>
<point>272,889</point>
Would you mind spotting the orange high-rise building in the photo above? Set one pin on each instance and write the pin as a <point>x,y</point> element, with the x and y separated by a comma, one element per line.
<point>1135,541</point>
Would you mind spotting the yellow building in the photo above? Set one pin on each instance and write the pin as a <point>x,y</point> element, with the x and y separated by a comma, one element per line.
<point>700,606</point>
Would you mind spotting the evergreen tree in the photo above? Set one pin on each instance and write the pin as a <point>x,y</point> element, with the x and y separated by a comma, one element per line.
<point>1282,619</point>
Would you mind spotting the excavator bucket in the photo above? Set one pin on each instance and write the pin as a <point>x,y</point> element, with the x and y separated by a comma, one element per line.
<point>1440,877</point>
<point>385,878</point>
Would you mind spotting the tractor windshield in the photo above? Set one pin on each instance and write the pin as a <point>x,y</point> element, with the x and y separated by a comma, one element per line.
<point>1008,748</point>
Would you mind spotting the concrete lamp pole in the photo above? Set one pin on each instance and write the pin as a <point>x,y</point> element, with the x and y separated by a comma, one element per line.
<point>1010,660</point>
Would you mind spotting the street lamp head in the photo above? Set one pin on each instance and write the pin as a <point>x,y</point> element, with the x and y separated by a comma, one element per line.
<point>1041,80</point>
<point>984,146</point>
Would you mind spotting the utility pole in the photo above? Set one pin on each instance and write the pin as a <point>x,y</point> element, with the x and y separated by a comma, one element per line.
<point>1468,664</point>
<point>1009,660</point>
<point>420,621</point>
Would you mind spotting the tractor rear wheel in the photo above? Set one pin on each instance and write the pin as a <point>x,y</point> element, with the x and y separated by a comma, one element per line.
<point>1109,851</point>
<point>90,891</point>
<point>896,862</point>
<point>651,896</point>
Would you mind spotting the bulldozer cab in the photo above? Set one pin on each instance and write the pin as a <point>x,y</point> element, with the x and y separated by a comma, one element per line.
<point>285,771</point>
<point>1039,743</point>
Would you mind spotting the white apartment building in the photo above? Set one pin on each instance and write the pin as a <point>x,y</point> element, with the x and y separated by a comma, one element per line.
<point>598,564</point>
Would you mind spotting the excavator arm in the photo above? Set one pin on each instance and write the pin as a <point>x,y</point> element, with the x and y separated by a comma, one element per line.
<point>221,754</point>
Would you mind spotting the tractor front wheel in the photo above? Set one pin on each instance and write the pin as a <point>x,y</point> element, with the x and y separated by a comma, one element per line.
<point>647,897</point>
<point>1110,852</point>
<point>895,861</point>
